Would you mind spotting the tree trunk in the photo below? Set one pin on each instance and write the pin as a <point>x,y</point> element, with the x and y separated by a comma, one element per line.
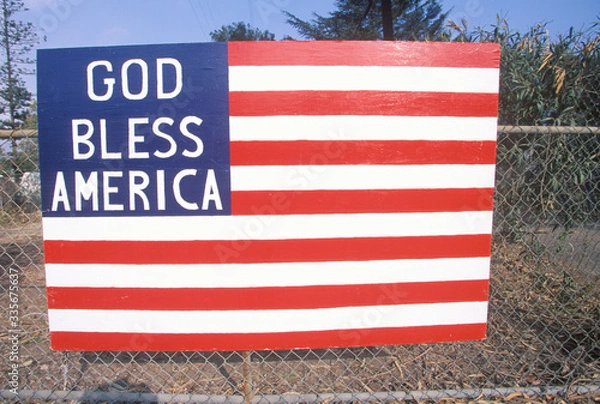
<point>9,85</point>
<point>386,17</point>
<point>9,64</point>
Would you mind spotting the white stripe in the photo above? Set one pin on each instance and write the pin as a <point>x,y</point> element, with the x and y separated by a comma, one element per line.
<point>361,78</point>
<point>315,177</point>
<point>265,321</point>
<point>173,228</point>
<point>267,275</point>
<point>351,127</point>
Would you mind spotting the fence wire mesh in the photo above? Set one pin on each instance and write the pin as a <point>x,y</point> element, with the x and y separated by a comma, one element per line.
<point>544,316</point>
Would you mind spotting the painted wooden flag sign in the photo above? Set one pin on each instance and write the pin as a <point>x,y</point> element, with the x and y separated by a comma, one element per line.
<point>267,195</point>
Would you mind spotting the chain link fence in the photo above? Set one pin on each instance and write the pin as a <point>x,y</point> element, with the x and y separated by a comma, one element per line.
<point>544,316</point>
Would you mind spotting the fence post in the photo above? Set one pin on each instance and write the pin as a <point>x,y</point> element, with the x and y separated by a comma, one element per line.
<point>247,371</point>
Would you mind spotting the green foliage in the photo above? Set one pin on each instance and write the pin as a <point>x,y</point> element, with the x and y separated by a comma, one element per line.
<point>17,39</point>
<point>240,32</point>
<point>15,101</point>
<point>547,82</point>
<point>5,163</point>
<point>23,195</point>
<point>362,20</point>
<point>544,80</point>
<point>26,156</point>
<point>22,158</point>
<point>31,121</point>
<point>547,178</point>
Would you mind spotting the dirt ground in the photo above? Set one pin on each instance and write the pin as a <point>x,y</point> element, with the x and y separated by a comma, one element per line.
<point>577,248</point>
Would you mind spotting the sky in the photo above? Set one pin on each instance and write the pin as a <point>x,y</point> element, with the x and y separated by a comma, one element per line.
<point>82,23</point>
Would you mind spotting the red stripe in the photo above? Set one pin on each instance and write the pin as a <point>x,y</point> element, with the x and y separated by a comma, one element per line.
<point>266,298</point>
<point>387,103</point>
<point>257,251</point>
<point>90,341</point>
<point>363,53</point>
<point>362,152</point>
<point>361,201</point>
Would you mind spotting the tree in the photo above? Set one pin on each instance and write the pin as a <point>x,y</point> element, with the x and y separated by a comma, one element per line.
<point>17,38</point>
<point>363,19</point>
<point>239,31</point>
